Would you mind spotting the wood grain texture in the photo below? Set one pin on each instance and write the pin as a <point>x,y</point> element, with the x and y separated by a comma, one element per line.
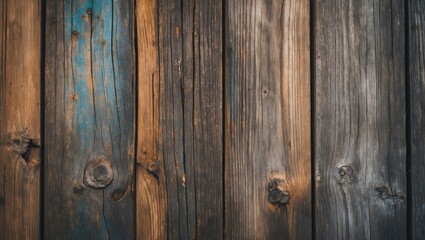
<point>267,115</point>
<point>151,198</point>
<point>20,55</point>
<point>360,141</point>
<point>416,33</point>
<point>180,130</point>
<point>90,113</point>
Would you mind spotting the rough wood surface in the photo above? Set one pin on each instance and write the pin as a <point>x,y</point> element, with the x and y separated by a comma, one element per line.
<point>20,52</point>
<point>267,115</point>
<point>417,115</point>
<point>151,198</point>
<point>90,113</point>
<point>360,126</point>
<point>179,153</point>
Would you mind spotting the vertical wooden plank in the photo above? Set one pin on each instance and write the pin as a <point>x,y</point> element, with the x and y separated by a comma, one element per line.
<point>416,37</point>
<point>267,163</point>
<point>20,48</point>
<point>207,121</point>
<point>151,198</point>
<point>89,120</point>
<point>180,130</point>
<point>360,141</point>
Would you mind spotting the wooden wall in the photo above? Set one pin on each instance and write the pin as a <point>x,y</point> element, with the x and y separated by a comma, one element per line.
<point>203,119</point>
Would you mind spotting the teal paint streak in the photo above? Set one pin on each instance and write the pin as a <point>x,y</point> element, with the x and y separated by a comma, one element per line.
<point>81,74</point>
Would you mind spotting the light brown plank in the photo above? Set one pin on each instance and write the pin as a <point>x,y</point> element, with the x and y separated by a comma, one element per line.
<point>151,202</point>
<point>20,48</point>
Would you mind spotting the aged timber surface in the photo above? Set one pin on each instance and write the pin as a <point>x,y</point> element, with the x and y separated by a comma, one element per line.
<point>180,131</point>
<point>20,49</point>
<point>360,141</point>
<point>417,115</point>
<point>151,198</point>
<point>89,135</point>
<point>267,116</point>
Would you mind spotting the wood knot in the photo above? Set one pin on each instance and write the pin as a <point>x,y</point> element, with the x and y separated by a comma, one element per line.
<point>28,148</point>
<point>278,197</point>
<point>318,176</point>
<point>345,174</point>
<point>98,173</point>
<point>277,194</point>
<point>153,167</point>
<point>75,33</point>
<point>73,97</point>
<point>383,191</point>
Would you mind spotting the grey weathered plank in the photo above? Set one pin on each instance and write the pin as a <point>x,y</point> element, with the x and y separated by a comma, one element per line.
<point>267,119</point>
<point>416,30</point>
<point>180,130</point>
<point>89,111</point>
<point>360,126</point>
<point>20,69</point>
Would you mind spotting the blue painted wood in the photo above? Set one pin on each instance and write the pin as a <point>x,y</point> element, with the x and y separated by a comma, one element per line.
<point>89,120</point>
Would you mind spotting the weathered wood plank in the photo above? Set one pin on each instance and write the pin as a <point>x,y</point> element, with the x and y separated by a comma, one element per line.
<point>89,120</point>
<point>360,141</point>
<point>267,115</point>
<point>20,55</point>
<point>416,30</point>
<point>180,130</point>
<point>203,82</point>
<point>151,198</point>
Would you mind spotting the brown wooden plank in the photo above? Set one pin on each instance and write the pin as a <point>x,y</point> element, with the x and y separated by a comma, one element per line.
<point>416,53</point>
<point>90,114</point>
<point>360,126</point>
<point>267,138</point>
<point>180,130</point>
<point>20,49</point>
<point>151,198</point>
